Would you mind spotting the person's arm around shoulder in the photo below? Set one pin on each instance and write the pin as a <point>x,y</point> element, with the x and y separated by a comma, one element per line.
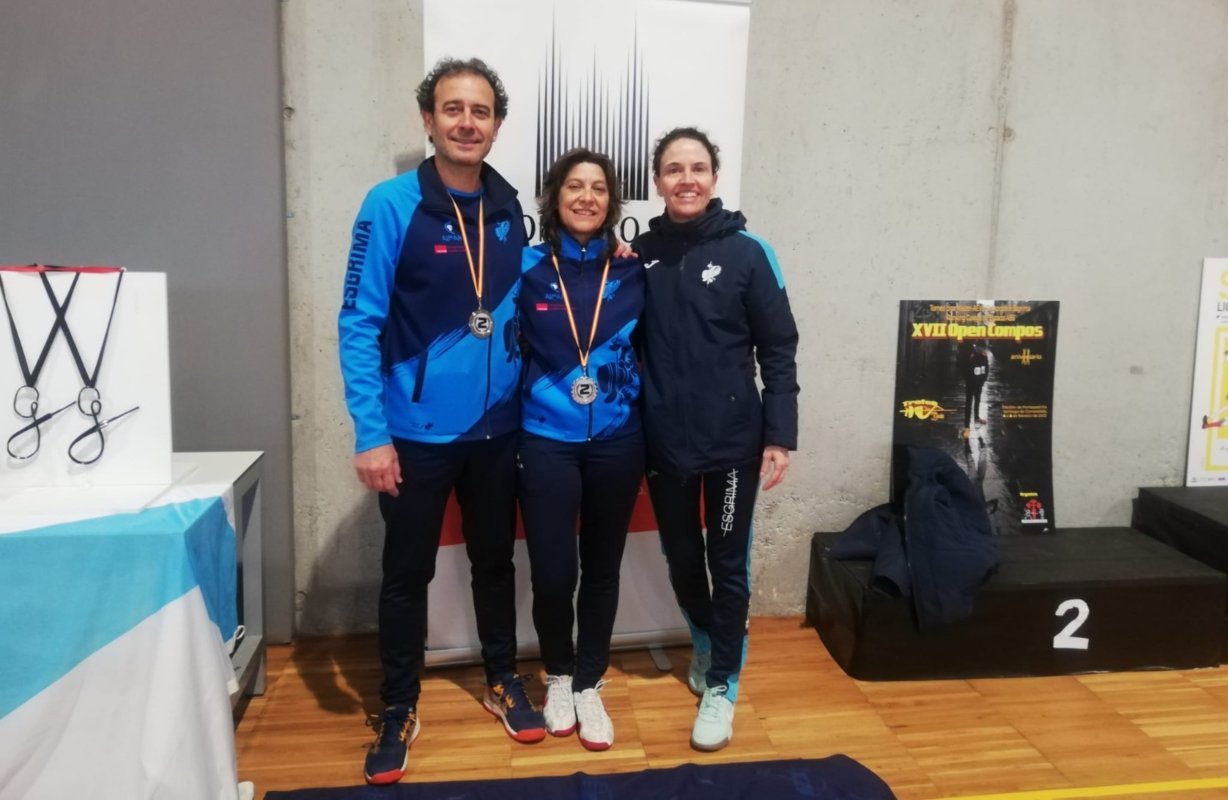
<point>366,295</point>
<point>623,250</point>
<point>774,335</point>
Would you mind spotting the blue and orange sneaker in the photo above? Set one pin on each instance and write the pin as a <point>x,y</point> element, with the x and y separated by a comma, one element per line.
<point>395,730</point>
<point>507,700</point>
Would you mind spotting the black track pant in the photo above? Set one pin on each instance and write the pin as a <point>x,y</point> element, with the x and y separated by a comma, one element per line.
<point>483,474</point>
<point>594,483</point>
<point>717,617</point>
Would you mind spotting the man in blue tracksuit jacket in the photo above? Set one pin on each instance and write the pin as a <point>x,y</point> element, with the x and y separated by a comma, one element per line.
<point>431,369</point>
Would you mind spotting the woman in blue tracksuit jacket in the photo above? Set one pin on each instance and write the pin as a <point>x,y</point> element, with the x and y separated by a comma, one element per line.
<point>581,450</point>
<point>715,306</point>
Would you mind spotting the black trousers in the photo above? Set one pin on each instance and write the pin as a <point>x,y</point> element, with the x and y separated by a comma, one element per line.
<point>718,616</point>
<point>483,474</point>
<point>594,483</point>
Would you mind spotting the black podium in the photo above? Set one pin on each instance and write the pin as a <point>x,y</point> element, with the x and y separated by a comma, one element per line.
<point>1193,520</point>
<point>1075,600</point>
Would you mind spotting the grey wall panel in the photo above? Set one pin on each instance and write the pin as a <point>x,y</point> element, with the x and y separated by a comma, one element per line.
<point>1115,178</point>
<point>352,121</point>
<point>148,134</point>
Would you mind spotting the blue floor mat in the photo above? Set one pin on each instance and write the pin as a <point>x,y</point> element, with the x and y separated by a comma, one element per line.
<point>834,778</point>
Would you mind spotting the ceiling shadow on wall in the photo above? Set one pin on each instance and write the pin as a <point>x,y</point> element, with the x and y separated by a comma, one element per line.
<point>404,162</point>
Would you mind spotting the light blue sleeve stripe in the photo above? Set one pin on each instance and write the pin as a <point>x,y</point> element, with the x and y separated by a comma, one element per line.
<point>771,257</point>
<point>375,251</point>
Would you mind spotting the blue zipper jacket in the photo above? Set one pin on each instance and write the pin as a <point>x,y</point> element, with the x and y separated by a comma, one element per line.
<point>412,368</point>
<point>552,361</point>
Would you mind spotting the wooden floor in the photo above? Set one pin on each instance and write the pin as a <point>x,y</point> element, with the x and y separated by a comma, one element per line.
<point>1147,734</point>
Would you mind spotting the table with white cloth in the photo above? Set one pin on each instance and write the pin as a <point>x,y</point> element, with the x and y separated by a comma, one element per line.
<point>119,612</point>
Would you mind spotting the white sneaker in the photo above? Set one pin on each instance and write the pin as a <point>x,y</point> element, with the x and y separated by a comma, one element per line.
<point>560,709</point>
<point>596,729</point>
<point>696,676</point>
<point>714,724</point>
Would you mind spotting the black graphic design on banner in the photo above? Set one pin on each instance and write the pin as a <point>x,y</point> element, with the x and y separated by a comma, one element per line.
<point>583,111</point>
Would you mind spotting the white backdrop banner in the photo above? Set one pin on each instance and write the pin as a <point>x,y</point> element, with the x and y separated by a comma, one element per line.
<point>610,75</point>
<point>613,77</point>
<point>1207,456</point>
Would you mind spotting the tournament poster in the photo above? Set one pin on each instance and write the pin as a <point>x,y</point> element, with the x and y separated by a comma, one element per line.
<point>974,378</point>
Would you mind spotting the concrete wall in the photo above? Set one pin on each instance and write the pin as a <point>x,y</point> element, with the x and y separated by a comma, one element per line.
<point>351,121</point>
<point>1025,149</point>
<point>149,135</point>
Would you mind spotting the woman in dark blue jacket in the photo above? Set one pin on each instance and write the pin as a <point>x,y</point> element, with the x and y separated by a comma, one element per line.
<point>715,306</point>
<point>581,450</point>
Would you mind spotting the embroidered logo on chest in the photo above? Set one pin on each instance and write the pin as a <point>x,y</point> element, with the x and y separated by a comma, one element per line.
<point>710,272</point>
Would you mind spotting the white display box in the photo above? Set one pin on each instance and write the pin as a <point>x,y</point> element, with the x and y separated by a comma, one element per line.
<point>135,372</point>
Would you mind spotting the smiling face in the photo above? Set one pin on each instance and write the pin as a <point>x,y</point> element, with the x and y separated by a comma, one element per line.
<point>463,125</point>
<point>686,179</point>
<point>584,201</point>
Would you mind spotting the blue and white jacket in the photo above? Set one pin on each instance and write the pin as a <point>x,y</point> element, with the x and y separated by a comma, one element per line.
<point>552,361</point>
<point>412,368</point>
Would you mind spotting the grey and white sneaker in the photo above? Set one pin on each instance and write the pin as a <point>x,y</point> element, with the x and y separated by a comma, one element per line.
<point>596,729</point>
<point>714,724</point>
<point>560,709</point>
<point>696,676</point>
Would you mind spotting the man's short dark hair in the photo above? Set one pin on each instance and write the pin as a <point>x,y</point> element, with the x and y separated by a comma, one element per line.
<point>685,133</point>
<point>548,203</point>
<point>446,68</point>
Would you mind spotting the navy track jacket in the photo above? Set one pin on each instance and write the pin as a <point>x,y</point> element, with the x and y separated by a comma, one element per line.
<point>552,361</point>
<point>412,368</point>
<point>716,304</point>
<point>936,545</point>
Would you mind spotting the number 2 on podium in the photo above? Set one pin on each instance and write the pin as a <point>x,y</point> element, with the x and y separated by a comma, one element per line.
<point>1066,639</point>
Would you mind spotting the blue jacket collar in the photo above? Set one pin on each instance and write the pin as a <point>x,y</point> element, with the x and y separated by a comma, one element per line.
<point>569,248</point>
<point>499,194</point>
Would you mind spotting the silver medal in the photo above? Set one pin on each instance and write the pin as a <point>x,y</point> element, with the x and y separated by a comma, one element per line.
<point>481,323</point>
<point>584,390</point>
